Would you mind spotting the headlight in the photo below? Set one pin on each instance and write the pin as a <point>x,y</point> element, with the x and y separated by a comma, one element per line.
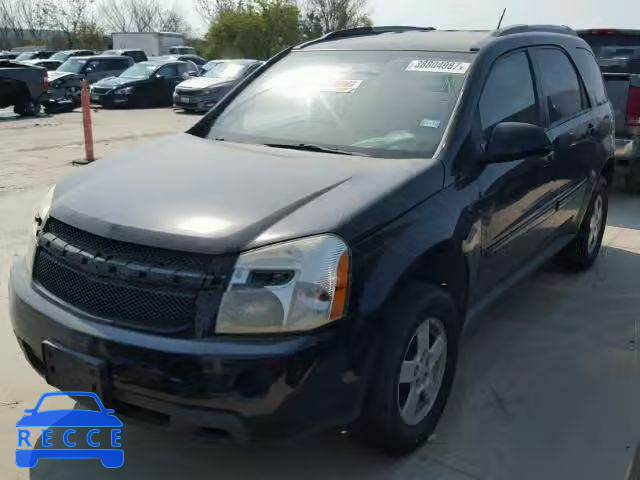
<point>290,287</point>
<point>38,222</point>
<point>124,91</point>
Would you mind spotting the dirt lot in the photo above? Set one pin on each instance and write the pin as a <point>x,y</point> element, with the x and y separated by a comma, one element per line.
<point>548,386</point>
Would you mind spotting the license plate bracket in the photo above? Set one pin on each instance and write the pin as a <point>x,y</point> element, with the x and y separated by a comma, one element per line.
<point>185,99</point>
<point>71,371</point>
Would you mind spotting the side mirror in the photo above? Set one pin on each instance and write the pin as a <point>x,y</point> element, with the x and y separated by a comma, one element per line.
<point>29,411</point>
<point>188,75</point>
<point>159,76</point>
<point>512,141</point>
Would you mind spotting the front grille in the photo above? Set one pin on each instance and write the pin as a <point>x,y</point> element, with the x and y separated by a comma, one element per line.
<point>131,285</point>
<point>191,92</point>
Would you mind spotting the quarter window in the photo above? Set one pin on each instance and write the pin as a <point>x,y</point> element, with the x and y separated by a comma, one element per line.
<point>509,95</point>
<point>560,84</point>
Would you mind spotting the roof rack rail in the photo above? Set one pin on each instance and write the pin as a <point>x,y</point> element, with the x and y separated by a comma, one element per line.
<point>514,29</point>
<point>361,31</point>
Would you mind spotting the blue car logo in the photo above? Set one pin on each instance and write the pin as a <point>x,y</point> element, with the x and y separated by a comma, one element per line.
<point>65,420</point>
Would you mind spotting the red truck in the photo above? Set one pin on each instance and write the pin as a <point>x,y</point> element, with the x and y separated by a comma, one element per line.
<point>618,54</point>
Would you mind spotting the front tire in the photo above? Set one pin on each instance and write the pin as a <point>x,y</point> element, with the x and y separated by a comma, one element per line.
<point>582,252</point>
<point>415,371</point>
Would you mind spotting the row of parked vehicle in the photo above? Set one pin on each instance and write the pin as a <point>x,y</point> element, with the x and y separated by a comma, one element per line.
<point>51,79</point>
<point>127,78</point>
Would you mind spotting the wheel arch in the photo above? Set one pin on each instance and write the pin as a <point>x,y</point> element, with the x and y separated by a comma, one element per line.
<point>608,170</point>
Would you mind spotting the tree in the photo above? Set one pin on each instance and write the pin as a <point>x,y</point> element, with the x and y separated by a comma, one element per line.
<point>10,27</point>
<point>209,10</point>
<point>140,16</point>
<point>33,15</point>
<point>257,29</point>
<point>114,15</point>
<point>331,15</point>
<point>70,17</point>
<point>90,35</point>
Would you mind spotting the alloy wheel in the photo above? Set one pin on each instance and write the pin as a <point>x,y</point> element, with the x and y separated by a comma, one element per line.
<point>595,224</point>
<point>422,371</point>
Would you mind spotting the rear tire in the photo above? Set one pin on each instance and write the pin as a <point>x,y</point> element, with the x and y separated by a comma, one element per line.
<point>410,385</point>
<point>27,108</point>
<point>582,252</point>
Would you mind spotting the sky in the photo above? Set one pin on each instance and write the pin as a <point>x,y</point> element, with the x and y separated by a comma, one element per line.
<point>483,14</point>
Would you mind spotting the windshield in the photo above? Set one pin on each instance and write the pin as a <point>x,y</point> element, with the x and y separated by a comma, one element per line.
<point>228,70</point>
<point>388,104</point>
<point>140,70</point>
<point>25,56</point>
<point>73,65</point>
<point>616,53</point>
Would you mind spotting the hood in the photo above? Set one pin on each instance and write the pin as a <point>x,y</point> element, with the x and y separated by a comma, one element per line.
<point>56,74</point>
<point>114,82</point>
<point>187,193</point>
<point>197,83</point>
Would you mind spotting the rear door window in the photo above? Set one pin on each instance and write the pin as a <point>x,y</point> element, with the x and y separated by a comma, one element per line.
<point>563,93</point>
<point>169,71</point>
<point>509,95</point>
<point>591,75</point>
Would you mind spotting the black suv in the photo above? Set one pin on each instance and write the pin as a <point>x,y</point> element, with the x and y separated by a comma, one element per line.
<point>307,254</point>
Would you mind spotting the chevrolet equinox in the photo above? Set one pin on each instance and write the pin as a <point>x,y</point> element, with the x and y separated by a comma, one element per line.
<point>306,255</point>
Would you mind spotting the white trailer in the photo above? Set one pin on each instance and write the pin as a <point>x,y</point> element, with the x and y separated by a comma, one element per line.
<point>153,43</point>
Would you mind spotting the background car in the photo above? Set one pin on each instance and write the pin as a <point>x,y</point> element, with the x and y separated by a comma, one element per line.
<point>618,54</point>
<point>146,84</point>
<point>44,63</point>
<point>201,93</point>
<point>65,55</point>
<point>8,55</point>
<point>66,81</point>
<point>34,55</point>
<point>22,86</point>
<point>182,50</point>
<point>137,55</point>
<point>197,59</point>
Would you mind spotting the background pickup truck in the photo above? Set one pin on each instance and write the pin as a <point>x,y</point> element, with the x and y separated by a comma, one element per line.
<point>618,54</point>
<point>23,86</point>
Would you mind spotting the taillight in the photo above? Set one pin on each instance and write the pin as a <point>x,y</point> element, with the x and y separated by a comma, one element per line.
<point>45,82</point>
<point>604,31</point>
<point>633,108</point>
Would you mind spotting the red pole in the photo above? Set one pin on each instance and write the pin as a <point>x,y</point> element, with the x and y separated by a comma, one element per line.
<point>86,122</point>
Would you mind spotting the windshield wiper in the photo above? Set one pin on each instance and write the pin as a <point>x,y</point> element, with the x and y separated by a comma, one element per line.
<point>310,147</point>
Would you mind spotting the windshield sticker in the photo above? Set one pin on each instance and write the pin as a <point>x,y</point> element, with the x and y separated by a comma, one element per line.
<point>438,66</point>
<point>341,86</point>
<point>428,123</point>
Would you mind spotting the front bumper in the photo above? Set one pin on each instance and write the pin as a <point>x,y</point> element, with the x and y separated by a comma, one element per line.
<point>232,387</point>
<point>110,99</point>
<point>196,103</point>
<point>627,150</point>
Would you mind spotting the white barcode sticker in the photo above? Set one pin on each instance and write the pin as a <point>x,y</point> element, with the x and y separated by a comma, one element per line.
<point>438,66</point>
